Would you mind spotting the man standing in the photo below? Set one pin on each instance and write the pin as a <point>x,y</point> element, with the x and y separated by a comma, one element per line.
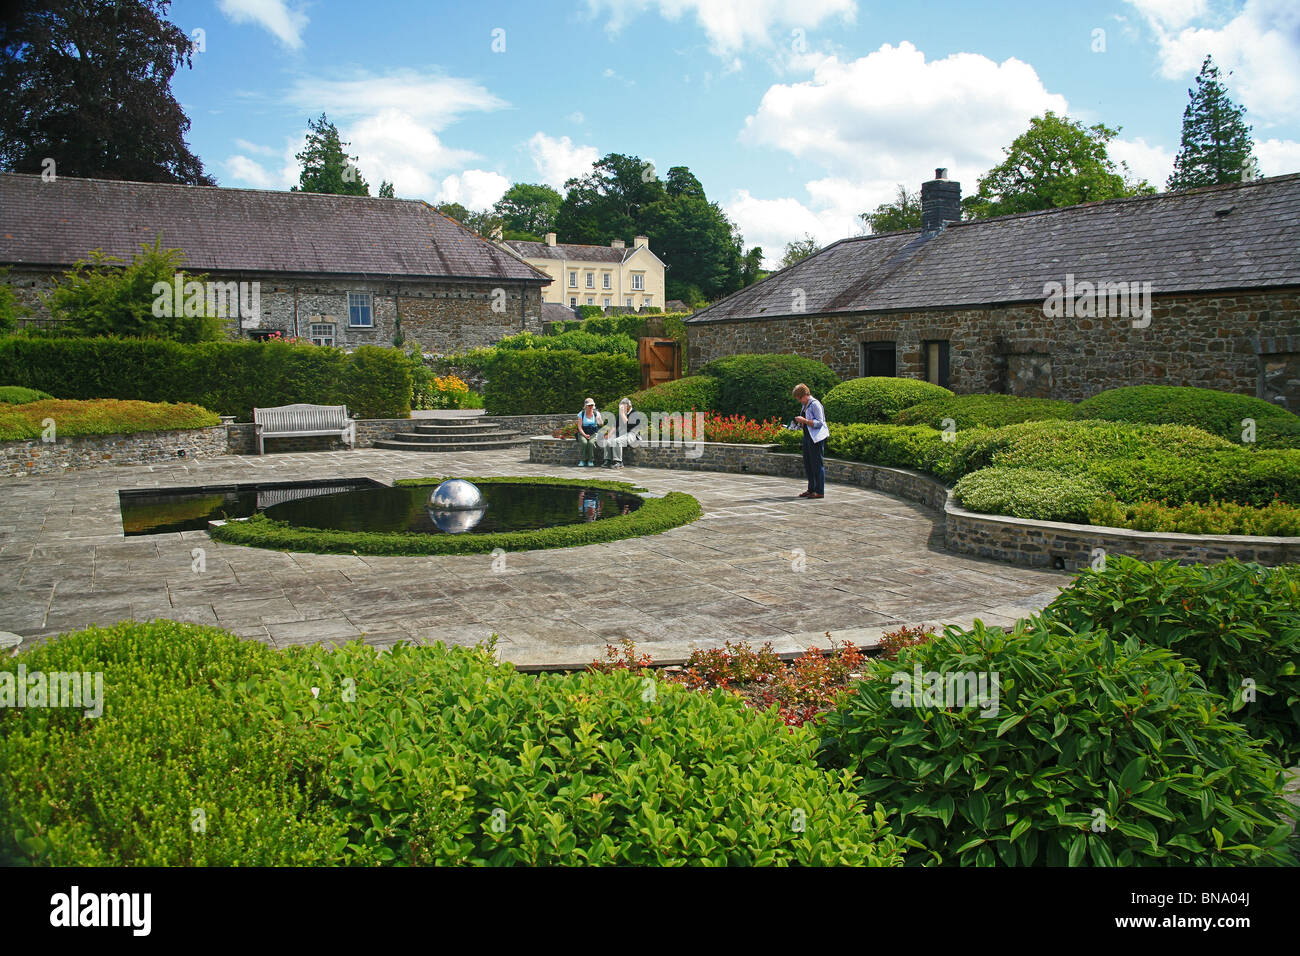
<point>815,433</point>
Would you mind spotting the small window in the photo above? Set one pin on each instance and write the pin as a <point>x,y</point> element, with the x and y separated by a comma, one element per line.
<point>629,302</point>
<point>573,280</point>
<point>607,302</point>
<point>936,363</point>
<point>591,280</point>
<point>649,300</point>
<point>638,280</point>
<point>322,334</point>
<point>879,359</point>
<point>591,300</point>
<point>360,313</point>
<point>604,281</point>
<point>573,301</point>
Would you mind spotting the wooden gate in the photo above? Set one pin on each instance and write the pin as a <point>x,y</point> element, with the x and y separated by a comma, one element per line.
<point>661,361</point>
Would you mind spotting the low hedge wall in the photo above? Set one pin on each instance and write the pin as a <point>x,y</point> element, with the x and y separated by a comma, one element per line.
<point>541,381</point>
<point>230,378</point>
<point>655,515</point>
<point>1219,413</point>
<point>99,417</point>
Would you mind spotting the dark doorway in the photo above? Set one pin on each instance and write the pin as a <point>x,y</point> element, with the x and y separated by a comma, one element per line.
<point>936,362</point>
<point>879,359</point>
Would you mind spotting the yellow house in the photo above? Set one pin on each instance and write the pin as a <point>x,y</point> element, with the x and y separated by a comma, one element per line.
<point>603,276</point>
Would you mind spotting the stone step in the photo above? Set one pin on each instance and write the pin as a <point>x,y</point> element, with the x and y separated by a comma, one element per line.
<point>398,443</point>
<point>448,428</point>
<point>433,437</point>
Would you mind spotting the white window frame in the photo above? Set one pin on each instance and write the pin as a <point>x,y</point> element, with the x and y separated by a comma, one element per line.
<point>366,301</point>
<point>629,302</point>
<point>573,301</point>
<point>323,333</point>
<point>573,278</point>
<point>607,302</point>
<point>591,300</point>
<point>591,280</point>
<point>638,281</point>
<point>649,300</point>
<point>606,281</point>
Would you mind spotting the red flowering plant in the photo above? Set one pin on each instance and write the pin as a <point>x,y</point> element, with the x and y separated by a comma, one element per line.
<point>906,636</point>
<point>741,430</point>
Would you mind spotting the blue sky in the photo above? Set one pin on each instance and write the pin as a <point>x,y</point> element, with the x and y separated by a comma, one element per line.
<point>796,116</point>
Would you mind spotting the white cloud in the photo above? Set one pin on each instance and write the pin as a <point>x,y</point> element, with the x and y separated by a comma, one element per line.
<point>771,223</point>
<point>558,160</point>
<point>248,147</point>
<point>577,118</point>
<point>1277,157</point>
<point>249,172</point>
<point>732,25</point>
<point>432,98</point>
<point>474,189</point>
<point>275,16</point>
<point>1260,44</point>
<point>1152,163</point>
<point>396,146</point>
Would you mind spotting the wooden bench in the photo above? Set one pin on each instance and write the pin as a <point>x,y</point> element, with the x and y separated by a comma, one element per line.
<point>287,421</point>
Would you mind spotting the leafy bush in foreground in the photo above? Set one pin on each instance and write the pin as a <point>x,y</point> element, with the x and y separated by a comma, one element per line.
<point>876,400</point>
<point>1029,493</point>
<point>1101,752</point>
<point>1239,622</point>
<point>758,385</point>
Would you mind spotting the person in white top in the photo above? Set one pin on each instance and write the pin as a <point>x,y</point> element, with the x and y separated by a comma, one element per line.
<point>815,433</point>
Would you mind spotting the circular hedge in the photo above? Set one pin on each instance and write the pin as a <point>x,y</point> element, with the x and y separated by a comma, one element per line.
<point>989,411</point>
<point>878,399</point>
<point>654,516</point>
<point>680,395</point>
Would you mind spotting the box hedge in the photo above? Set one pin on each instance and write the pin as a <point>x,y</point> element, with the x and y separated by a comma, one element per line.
<point>876,399</point>
<point>680,395</point>
<point>17,395</point>
<point>758,385</point>
<point>1219,413</point>
<point>230,378</point>
<point>541,381</point>
<point>984,411</point>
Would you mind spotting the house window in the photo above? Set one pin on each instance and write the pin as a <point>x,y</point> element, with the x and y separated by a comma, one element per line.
<point>607,302</point>
<point>360,312</point>
<point>573,280</point>
<point>322,333</point>
<point>629,302</point>
<point>573,301</point>
<point>936,363</point>
<point>638,281</point>
<point>591,300</point>
<point>879,359</point>
<point>649,300</point>
<point>604,281</point>
<point>591,280</point>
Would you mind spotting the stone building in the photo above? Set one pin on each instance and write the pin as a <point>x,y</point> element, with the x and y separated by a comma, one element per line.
<point>612,277</point>
<point>1196,288</point>
<point>339,270</point>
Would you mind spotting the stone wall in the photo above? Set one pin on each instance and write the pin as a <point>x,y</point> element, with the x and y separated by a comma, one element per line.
<point>35,457</point>
<point>1015,540</point>
<point>1248,343</point>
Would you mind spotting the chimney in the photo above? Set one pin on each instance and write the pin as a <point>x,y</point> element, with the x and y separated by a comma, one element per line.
<point>639,242</point>
<point>940,202</point>
<point>495,232</point>
<point>550,238</point>
<point>617,244</point>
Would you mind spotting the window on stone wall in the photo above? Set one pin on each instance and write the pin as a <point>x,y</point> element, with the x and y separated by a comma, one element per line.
<point>936,362</point>
<point>879,359</point>
<point>360,310</point>
<point>322,333</point>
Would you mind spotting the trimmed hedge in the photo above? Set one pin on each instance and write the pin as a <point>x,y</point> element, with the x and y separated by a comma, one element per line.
<point>988,411</point>
<point>231,378</point>
<point>758,386</point>
<point>1239,622</point>
<point>681,395</point>
<point>1277,518</point>
<point>17,395</point>
<point>878,399</point>
<point>1029,493</point>
<point>540,381</point>
<point>585,342</point>
<point>421,755</point>
<point>1219,413</point>
<point>1091,750</point>
<point>102,417</point>
<point>655,515</point>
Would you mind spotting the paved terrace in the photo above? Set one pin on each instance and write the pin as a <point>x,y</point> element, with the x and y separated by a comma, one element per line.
<point>869,560</point>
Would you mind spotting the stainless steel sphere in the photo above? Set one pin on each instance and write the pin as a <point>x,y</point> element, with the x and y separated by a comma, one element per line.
<point>459,521</point>
<point>456,494</point>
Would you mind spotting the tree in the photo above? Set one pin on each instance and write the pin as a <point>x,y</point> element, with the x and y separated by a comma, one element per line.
<point>87,85</point>
<point>1216,146</point>
<point>385,189</point>
<point>528,209</point>
<point>607,203</point>
<point>1055,163</point>
<point>799,249</point>
<point>751,267</point>
<point>326,166</point>
<point>903,213</point>
<point>100,297</point>
<point>485,222</point>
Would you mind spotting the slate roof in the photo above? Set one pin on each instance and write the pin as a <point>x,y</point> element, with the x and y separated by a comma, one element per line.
<point>242,230</point>
<point>573,251</point>
<point>1238,236</point>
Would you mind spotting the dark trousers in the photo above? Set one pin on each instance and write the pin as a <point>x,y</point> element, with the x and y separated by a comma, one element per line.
<point>814,456</point>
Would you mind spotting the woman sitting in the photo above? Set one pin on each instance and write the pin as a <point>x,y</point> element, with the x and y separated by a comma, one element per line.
<point>589,423</point>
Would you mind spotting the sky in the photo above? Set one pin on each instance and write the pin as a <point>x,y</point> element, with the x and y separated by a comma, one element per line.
<point>796,116</point>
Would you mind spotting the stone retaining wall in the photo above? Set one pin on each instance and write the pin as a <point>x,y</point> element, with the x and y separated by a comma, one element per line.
<point>1015,540</point>
<point>35,457</point>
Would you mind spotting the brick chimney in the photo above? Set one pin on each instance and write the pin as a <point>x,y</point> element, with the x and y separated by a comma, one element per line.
<point>550,238</point>
<point>617,244</point>
<point>940,202</point>
<point>641,241</point>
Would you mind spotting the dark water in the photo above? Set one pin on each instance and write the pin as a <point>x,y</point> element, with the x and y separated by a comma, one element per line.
<point>510,507</point>
<point>190,509</point>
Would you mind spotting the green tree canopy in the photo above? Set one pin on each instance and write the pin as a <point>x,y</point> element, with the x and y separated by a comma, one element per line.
<point>903,213</point>
<point>326,166</point>
<point>386,190</point>
<point>88,85</point>
<point>1216,146</point>
<point>1055,163</point>
<point>483,221</point>
<point>607,203</point>
<point>528,209</point>
<point>798,249</point>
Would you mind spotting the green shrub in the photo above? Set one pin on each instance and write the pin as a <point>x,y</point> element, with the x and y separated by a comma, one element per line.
<point>1081,732</point>
<point>586,342</point>
<point>1219,413</point>
<point>896,446</point>
<point>1277,518</point>
<point>878,399</point>
<point>231,378</point>
<point>654,516</point>
<point>681,395</point>
<point>758,386</point>
<point>17,395</point>
<point>590,312</point>
<point>1029,493</point>
<point>988,411</point>
<point>422,755</point>
<point>1239,622</point>
<point>101,417</point>
<point>539,381</point>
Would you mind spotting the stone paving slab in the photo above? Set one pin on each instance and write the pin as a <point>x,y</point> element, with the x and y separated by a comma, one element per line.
<point>762,565</point>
